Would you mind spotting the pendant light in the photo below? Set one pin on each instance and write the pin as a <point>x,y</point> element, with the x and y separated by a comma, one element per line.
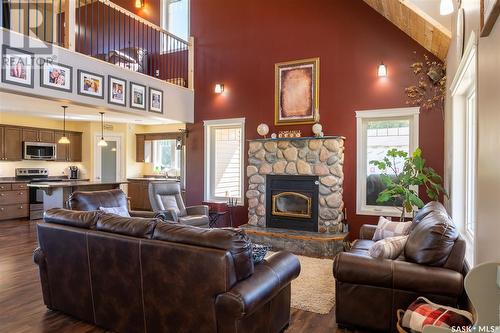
<point>64,139</point>
<point>102,142</point>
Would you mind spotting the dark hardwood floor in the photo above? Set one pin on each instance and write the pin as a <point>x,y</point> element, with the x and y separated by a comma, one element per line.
<point>21,304</point>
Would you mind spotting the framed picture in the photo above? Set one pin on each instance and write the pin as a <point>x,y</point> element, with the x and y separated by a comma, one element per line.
<point>296,92</point>
<point>117,91</point>
<point>90,84</point>
<point>56,76</point>
<point>490,9</point>
<point>17,67</point>
<point>137,96</point>
<point>155,100</point>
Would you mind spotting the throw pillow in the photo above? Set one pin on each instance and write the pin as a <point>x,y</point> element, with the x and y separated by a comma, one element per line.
<point>423,312</point>
<point>387,228</point>
<point>388,248</point>
<point>120,211</point>
<point>259,252</point>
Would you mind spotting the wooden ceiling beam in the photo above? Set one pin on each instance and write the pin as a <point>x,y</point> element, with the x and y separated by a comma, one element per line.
<point>426,31</point>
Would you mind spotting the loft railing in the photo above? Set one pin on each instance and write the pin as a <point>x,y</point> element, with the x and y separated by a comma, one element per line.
<point>106,31</point>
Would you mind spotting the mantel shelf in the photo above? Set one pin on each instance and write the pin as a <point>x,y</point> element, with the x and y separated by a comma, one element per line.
<point>301,138</point>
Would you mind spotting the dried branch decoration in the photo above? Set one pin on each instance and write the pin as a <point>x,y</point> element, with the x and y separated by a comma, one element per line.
<point>429,91</point>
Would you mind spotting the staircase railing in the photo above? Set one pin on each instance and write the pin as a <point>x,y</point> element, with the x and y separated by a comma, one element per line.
<point>106,31</point>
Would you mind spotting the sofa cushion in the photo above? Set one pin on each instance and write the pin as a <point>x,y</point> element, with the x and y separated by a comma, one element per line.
<point>196,220</point>
<point>387,228</point>
<point>233,240</point>
<point>129,226</point>
<point>120,211</point>
<point>362,244</point>
<point>86,201</point>
<point>388,248</point>
<point>429,207</point>
<point>431,240</point>
<point>86,220</point>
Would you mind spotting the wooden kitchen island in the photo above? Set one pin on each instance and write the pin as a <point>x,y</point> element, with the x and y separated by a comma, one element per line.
<point>56,194</point>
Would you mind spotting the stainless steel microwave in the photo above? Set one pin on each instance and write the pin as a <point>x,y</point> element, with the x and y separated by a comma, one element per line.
<point>39,151</point>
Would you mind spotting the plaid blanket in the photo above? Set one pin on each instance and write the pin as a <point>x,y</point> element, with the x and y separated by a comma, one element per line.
<point>423,312</point>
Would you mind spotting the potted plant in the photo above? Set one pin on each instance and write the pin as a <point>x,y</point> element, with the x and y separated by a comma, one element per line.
<point>402,182</point>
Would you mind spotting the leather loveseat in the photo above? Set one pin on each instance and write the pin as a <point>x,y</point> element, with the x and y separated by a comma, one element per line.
<point>145,275</point>
<point>369,291</point>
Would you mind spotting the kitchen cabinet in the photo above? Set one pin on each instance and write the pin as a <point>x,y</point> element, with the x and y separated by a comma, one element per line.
<point>61,149</point>
<point>71,152</point>
<point>14,201</point>
<point>37,135</point>
<point>139,147</point>
<point>138,194</point>
<point>12,144</point>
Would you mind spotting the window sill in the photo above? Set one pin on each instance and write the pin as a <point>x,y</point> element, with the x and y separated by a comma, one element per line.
<point>380,211</point>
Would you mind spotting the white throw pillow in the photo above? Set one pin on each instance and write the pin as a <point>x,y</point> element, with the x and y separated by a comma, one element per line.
<point>120,211</point>
<point>388,248</point>
<point>387,228</point>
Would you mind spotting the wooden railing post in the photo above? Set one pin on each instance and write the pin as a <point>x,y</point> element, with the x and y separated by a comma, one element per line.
<point>191,63</point>
<point>69,24</point>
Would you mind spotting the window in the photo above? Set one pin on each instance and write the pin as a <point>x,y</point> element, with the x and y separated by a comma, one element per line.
<point>166,157</point>
<point>176,17</point>
<point>224,144</point>
<point>377,132</point>
<point>463,182</point>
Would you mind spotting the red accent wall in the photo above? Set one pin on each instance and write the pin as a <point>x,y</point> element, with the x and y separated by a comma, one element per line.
<point>238,42</point>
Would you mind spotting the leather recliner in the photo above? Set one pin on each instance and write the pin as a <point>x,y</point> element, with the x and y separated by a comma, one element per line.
<point>369,291</point>
<point>145,275</point>
<point>165,197</point>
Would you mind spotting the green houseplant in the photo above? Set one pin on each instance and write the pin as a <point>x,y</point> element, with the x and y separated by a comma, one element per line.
<point>401,182</point>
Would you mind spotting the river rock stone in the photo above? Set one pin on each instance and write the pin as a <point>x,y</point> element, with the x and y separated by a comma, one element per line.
<point>299,143</point>
<point>260,210</point>
<point>262,222</point>
<point>328,181</point>
<point>251,170</point>
<point>252,186</point>
<point>290,154</point>
<point>265,169</point>
<point>279,154</point>
<point>322,201</point>
<point>260,154</point>
<point>324,154</point>
<point>262,198</point>
<point>336,170</point>
<point>332,144</point>
<point>279,167</point>
<point>283,144</point>
<point>261,188</point>
<point>334,200</point>
<point>254,161</point>
<point>257,179</point>
<point>323,190</point>
<point>291,168</point>
<point>328,213</point>
<point>312,157</point>
<point>253,220</point>
<point>321,170</point>
<point>271,157</point>
<point>271,146</point>
<point>252,194</point>
<point>332,159</point>
<point>315,144</point>
<point>254,146</point>
<point>303,168</point>
<point>253,202</point>
<point>302,153</point>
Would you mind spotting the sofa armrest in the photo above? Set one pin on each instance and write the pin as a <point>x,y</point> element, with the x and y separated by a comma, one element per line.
<point>269,278</point>
<point>197,210</point>
<point>396,274</point>
<point>39,259</point>
<point>367,231</point>
<point>142,213</point>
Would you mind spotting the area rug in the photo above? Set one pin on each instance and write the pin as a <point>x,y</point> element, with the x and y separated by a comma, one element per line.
<point>314,289</point>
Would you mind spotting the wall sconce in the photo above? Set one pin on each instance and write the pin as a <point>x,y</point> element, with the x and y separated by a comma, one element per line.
<point>382,70</point>
<point>139,3</point>
<point>446,7</point>
<point>219,88</point>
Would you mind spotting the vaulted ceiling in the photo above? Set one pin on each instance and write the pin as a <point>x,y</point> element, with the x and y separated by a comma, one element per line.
<point>417,24</point>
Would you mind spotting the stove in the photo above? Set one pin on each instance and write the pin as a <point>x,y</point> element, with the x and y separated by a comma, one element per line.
<point>36,175</point>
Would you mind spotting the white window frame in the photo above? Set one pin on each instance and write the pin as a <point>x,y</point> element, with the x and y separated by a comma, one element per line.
<point>464,189</point>
<point>164,20</point>
<point>362,119</point>
<point>208,158</point>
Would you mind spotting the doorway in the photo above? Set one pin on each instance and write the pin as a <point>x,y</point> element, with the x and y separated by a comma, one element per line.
<point>108,159</point>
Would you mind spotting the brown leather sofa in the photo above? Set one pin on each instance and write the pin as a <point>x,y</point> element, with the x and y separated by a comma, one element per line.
<point>93,200</point>
<point>369,291</point>
<point>145,275</point>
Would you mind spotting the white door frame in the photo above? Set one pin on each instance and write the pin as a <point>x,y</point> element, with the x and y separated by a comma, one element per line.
<point>119,154</point>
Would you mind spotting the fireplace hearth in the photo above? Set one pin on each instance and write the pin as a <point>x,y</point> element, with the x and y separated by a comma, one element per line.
<point>292,202</point>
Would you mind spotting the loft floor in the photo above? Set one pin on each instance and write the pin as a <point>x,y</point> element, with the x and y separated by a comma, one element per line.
<point>21,301</point>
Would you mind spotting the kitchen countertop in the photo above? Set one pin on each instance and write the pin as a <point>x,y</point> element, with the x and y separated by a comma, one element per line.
<point>151,179</point>
<point>12,180</point>
<point>74,183</point>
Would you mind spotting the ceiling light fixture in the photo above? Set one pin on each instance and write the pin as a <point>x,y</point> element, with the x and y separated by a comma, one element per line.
<point>382,70</point>
<point>102,142</point>
<point>219,88</point>
<point>64,139</point>
<point>446,7</point>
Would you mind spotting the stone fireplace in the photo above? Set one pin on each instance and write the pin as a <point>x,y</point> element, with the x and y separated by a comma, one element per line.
<point>296,183</point>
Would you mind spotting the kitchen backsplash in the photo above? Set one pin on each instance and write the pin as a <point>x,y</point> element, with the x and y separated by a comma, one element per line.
<point>8,169</point>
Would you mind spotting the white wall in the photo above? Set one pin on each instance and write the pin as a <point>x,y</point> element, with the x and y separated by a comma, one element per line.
<point>488,182</point>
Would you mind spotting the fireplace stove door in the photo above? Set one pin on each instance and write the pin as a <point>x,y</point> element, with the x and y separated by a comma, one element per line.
<point>291,204</point>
